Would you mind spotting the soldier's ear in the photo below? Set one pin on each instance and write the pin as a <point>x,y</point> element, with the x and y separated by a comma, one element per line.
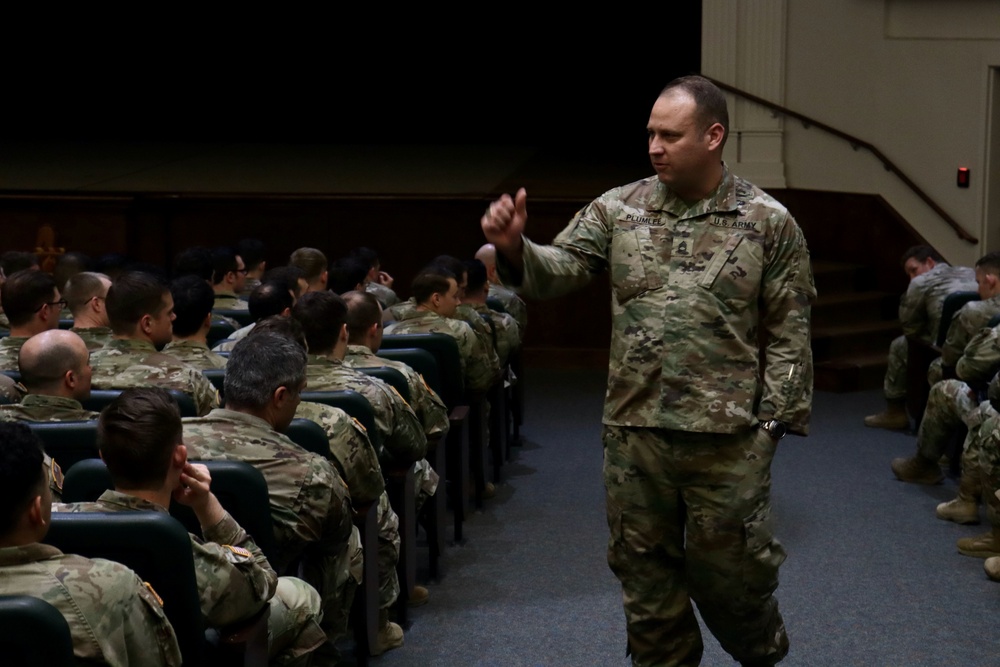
<point>36,515</point>
<point>146,323</point>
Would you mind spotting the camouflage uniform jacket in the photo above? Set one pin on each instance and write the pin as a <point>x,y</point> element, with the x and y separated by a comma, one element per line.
<point>920,307</point>
<point>980,360</point>
<point>966,323</point>
<point>235,580</point>
<point>196,354</point>
<point>691,287</point>
<point>10,390</point>
<point>229,301</point>
<point>506,335</point>
<point>480,366</point>
<point>512,303</point>
<point>430,409</point>
<point>94,337</point>
<point>235,337</point>
<point>385,295</point>
<point>464,313</point>
<point>309,501</point>
<point>10,348</point>
<point>399,436</point>
<point>40,408</point>
<point>353,453</point>
<point>125,363</point>
<point>114,619</point>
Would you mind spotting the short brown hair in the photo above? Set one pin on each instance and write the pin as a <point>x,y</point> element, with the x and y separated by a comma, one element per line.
<point>136,434</point>
<point>363,310</point>
<point>131,296</point>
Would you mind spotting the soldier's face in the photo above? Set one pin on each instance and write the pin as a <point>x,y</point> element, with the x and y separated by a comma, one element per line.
<point>162,323</point>
<point>450,300</point>
<point>915,267</point>
<point>681,148</point>
<point>241,275</point>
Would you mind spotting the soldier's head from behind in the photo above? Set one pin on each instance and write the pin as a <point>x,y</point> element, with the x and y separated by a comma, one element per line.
<point>13,261</point>
<point>314,267</point>
<point>271,297</point>
<point>988,275</point>
<point>323,316</point>
<point>31,301</point>
<point>487,254</point>
<point>450,266</point>
<point>86,295</point>
<point>196,260</point>
<point>370,258</point>
<point>919,259</point>
<point>364,320</point>
<point>347,273</point>
<point>140,440</point>
<point>291,276</point>
<point>193,301</point>
<point>265,376</point>
<point>252,252</point>
<point>140,307</point>
<point>686,132</point>
<point>437,292</point>
<point>56,363</point>
<point>477,285</point>
<point>25,496</point>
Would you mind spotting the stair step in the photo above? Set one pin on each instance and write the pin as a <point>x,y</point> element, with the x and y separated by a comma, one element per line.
<point>846,307</point>
<point>834,277</point>
<point>831,342</point>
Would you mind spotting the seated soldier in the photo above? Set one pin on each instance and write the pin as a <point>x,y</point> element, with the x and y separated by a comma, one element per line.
<point>346,274</point>
<point>114,618</point>
<point>436,298</point>
<point>931,280</point>
<point>315,268</point>
<point>228,279</point>
<point>364,337</point>
<point>252,251</point>
<point>68,265</point>
<point>141,442</point>
<point>982,459</point>
<point>506,334</point>
<point>970,318</point>
<point>32,303</point>
<point>55,369</point>
<point>512,303</point>
<point>378,282</point>
<point>310,504</point>
<point>193,300</point>
<point>274,296</point>
<point>11,262</point>
<point>86,296</point>
<point>141,311</point>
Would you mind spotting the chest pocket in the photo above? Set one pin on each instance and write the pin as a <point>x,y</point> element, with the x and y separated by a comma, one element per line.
<point>734,271</point>
<point>633,264</point>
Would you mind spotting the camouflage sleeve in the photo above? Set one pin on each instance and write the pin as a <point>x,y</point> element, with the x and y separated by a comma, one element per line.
<point>787,292</point>
<point>912,314</point>
<point>482,367</point>
<point>235,580</point>
<point>577,254</point>
<point>206,397</point>
<point>355,457</point>
<point>962,326</point>
<point>430,409</point>
<point>408,442</point>
<point>981,357</point>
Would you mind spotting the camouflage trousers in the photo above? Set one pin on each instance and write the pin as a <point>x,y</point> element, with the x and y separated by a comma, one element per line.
<point>935,372</point>
<point>894,384</point>
<point>985,450</point>
<point>427,481</point>
<point>950,405</point>
<point>335,571</point>
<point>293,630</point>
<point>388,552</point>
<point>690,520</point>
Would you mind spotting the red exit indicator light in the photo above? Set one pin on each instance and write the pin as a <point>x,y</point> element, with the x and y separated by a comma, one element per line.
<point>963,177</point>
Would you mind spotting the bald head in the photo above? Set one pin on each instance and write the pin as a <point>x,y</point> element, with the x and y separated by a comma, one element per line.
<point>487,254</point>
<point>55,363</point>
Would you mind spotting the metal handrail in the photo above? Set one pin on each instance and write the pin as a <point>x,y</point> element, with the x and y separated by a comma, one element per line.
<point>855,144</point>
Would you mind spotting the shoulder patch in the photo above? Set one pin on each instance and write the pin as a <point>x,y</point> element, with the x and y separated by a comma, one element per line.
<point>398,395</point>
<point>152,590</point>
<point>56,473</point>
<point>239,551</point>
<point>361,427</point>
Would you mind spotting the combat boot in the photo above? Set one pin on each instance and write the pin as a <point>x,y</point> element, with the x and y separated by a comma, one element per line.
<point>965,507</point>
<point>418,596</point>
<point>981,546</point>
<point>992,567</point>
<point>390,635</point>
<point>917,470</point>
<point>893,418</point>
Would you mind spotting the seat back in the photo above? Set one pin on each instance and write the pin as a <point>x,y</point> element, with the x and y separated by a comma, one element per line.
<point>445,351</point>
<point>217,376</point>
<point>390,376</point>
<point>240,488</point>
<point>100,398</point>
<point>33,632</point>
<point>310,436</point>
<point>496,304</point>
<point>949,307</point>
<point>347,400</point>
<point>419,360</point>
<point>218,330</point>
<point>157,547</point>
<point>68,442</point>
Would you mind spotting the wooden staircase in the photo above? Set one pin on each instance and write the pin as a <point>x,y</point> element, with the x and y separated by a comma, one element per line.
<point>852,327</point>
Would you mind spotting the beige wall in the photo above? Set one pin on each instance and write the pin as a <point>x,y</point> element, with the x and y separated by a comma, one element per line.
<point>911,77</point>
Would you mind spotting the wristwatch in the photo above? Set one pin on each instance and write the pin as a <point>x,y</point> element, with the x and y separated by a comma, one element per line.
<point>774,428</point>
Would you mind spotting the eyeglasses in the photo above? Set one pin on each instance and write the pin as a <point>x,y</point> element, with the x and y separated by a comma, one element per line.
<point>61,303</point>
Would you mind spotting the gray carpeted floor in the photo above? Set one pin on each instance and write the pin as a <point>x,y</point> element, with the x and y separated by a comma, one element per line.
<point>872,578</point>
